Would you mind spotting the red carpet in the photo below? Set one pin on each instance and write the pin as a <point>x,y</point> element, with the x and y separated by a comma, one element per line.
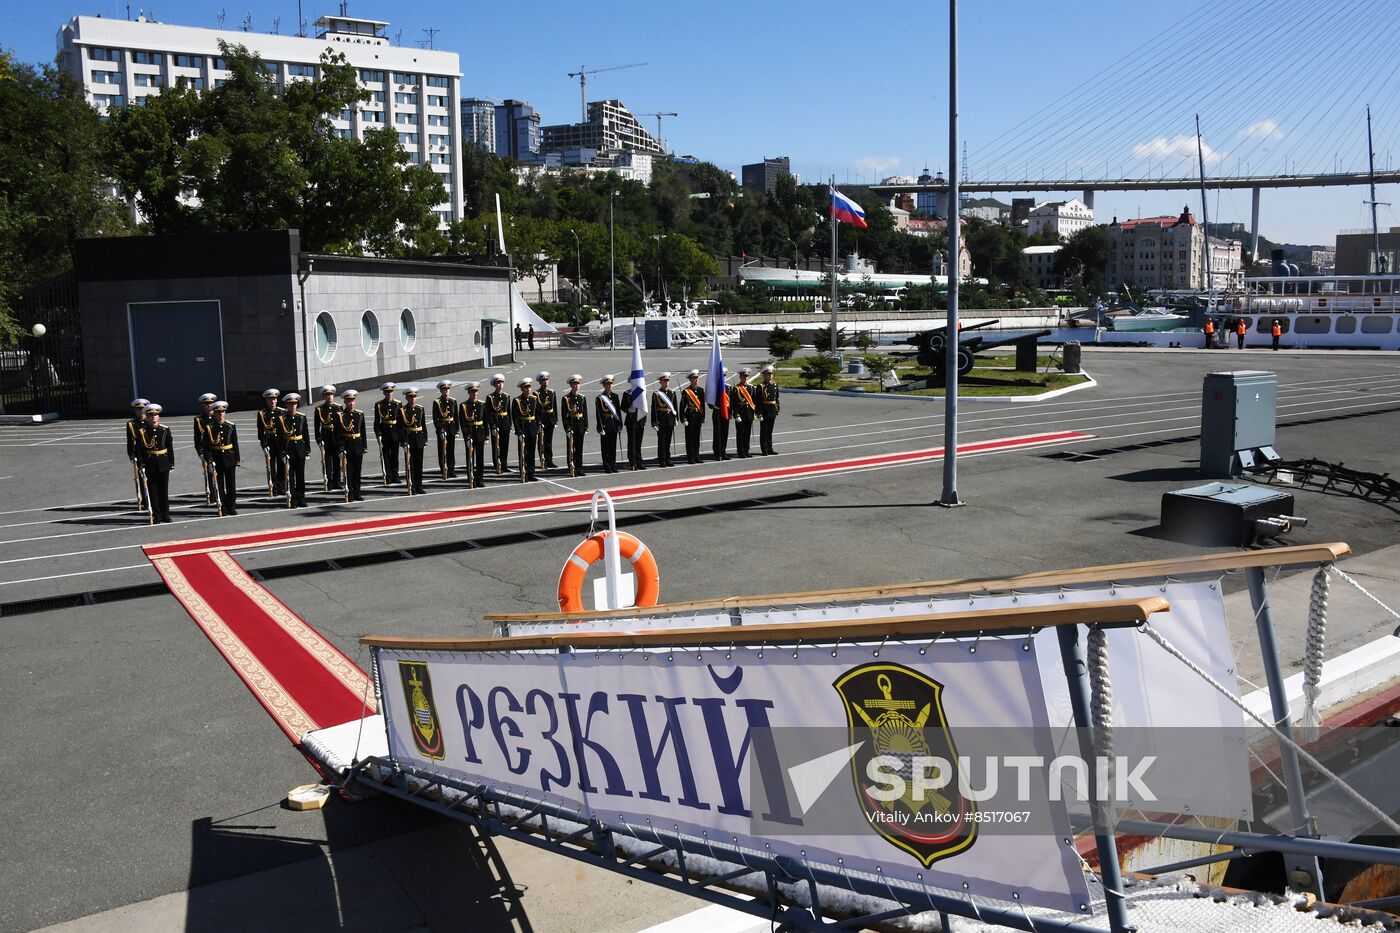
<point>302,680</point>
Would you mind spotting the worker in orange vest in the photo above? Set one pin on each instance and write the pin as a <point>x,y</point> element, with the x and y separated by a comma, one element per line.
<point>1276,331</point>
<point>1241,328</point>
<point>1210,332</point>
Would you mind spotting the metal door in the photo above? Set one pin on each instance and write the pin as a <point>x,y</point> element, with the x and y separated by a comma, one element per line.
<point>177,352</point>
<point>486,328</point>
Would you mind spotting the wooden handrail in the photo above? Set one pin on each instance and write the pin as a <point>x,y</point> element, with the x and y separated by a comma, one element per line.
<point>1113,612</point>
<point>1296,555</point>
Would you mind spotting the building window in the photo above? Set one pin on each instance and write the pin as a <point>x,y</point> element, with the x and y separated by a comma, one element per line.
<point>220,82</point>
<point>104,55</point>
<point>369,333</point>
<point>444,217</point>
<point>345,114</point>
<point>439,119</point>
<point>440,158</point>
<point>410,119</point>
<point>149,81</point>
<point>403,98</point>
<point>372,116</point>
<point>437,100</point>
<point>408,139</point>
<point>476,338</point>
<point>189,61</point>
<point>401,78</point>
<point>147,58</point>
<point>435,139</point>
<point>415,158</point>
<point>106,77</point>
<point>1375,324</point>
<point>220,64</point>
<point>439,81</point>
<point>194,84</point>
<point>302,71</point>
<point>376,97</point>
<point>325,337</point>
<point>343,132</point>
<point>108,100</point>
<point>367,74</point>
<point>271,69</point>
<point>408,330</point>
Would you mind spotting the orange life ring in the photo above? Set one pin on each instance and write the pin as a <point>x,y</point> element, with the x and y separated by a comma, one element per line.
<point>589,552</point>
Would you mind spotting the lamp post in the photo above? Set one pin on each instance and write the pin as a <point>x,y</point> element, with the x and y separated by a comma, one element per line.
<point>660,280</point>
<point>949,497</point>
<point>612,275</point>
<point>578,278</point>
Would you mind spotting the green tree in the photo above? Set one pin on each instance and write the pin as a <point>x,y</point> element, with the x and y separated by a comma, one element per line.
<point>822,340</point>
<point>1083,263</point>
<point>783,343</point>
<point>252,155</point>
<point>52,190</point>
<point>880,365</point>
<point>819,370</point>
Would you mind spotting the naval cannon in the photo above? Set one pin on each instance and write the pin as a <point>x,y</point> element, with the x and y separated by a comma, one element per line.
<point>931,346</point>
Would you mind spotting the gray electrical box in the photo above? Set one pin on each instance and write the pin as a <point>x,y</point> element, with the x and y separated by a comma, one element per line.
<point>1238,413</point>
<point>656,334</point>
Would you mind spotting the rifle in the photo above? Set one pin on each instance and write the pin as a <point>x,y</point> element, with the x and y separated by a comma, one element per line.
<point>471,458</point>
<point>142,503</point>
<point>408,466</point>
<point>146,491</point>
<point>496,447</point>
<point>569,449</point>
<point>325,479</point>
<point>287,477</point>
<point>383,467</point>
<point>267,465</point>
<point>345,473</point>
<point>211,481</point>
<point>442,454</point>
<point>520,442</point>
<point>210,487</point>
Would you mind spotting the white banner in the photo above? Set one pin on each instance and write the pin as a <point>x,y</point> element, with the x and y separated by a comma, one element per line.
<point>649,740</point>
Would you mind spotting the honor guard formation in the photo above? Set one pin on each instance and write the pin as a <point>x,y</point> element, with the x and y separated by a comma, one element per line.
<point>400,428</point>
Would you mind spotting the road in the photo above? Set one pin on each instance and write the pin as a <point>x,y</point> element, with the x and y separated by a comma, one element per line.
<point>152,773</point>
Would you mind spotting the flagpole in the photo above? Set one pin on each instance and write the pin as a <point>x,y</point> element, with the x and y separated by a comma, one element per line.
<point>952,343</point>
<point>835,287</point>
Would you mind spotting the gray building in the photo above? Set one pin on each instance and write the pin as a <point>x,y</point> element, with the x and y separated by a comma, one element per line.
<point>479,123</point>
<point>168,318</point>
<point>517,131</point>
<point>610,127</point>
<point>763,176</point>
<point>1356,252</point>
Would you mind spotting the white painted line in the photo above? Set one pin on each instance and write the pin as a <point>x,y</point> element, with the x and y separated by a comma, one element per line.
<point>79,466</point>
<point>78,573</point>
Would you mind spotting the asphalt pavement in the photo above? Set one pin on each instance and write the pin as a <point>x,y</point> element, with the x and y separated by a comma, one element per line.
<point>147,771</point>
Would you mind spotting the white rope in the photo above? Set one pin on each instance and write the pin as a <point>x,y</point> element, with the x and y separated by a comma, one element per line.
<point>1365,592</point>
<point>1101,712</point>
<point>1380,815</point>
<point>1311,722</point>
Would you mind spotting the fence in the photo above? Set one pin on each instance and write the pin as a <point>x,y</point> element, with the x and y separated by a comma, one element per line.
<point>46,373</point>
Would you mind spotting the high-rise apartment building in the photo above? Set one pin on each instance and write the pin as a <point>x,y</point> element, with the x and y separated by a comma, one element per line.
<point>763,176</point>
<point>413,91</point>
<point>517,131</point>
<point>479,123</point>
<point>610,127</point>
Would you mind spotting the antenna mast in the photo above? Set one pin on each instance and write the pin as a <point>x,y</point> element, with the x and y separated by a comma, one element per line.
<point>1375,230</point>
<point>1205,212</point>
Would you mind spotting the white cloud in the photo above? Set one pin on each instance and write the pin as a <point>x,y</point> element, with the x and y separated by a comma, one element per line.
<point>1265,128</point>
<point>1183,147</point>
<point>876,165</point>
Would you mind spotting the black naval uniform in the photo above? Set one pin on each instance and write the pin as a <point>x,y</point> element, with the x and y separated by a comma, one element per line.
<point>267,437</point>
<point>607,409</point>
<point>636,431</point>
<point>221,449</point>
<point>350,431</point>
<point>743,408</point>
<point>663,419</point>
<point>133,453</point>
<point>329,439</point>
<point>766,395</point>
<point>157,452</point>
<point>525,418</point>
<point>549,417</point>
<point>292,432</point>
<point>498,421</point>
<point>573,408</point>
<point>693,415</point>
<point>387,414</point>
<point>445,423</point>
<point>413,434</point>
<point>472,417</point>
<point>202,421</point>
<point>719,429</point>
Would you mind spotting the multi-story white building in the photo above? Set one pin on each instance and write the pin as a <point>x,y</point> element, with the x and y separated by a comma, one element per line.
<point>1042,263</point>
<point>1062,218</point>
<point>414,91</point>
<point>1165,252</point>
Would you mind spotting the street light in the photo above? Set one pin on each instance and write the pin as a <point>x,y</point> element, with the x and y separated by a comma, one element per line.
<point>660,281</point>
<point>578,279</point>
<point>612,274</point>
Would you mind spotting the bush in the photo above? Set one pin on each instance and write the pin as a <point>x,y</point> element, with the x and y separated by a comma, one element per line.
<point>880,365</point>
<point>783,343</point>
<point>822,341</point>
<point>865,340</point>
<point>819,370</point>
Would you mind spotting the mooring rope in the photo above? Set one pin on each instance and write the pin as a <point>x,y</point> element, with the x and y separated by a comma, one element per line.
<point>1380,815</point>
<point>1310,725</point>
<point>1101,713</point>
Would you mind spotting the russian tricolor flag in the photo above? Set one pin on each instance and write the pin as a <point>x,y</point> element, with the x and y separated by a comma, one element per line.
<point>844,209</point>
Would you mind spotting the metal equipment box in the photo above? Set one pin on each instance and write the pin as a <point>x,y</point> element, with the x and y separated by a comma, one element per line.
<point>656,334</point>
<point>1221,514</point>
<point>1238,413</point>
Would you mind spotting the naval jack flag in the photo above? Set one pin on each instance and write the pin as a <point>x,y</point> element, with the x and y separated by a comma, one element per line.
<point>638,380</point>
<point>716,393</point>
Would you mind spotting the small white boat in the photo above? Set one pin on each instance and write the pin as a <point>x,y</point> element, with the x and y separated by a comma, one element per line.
<point>1147,320</point>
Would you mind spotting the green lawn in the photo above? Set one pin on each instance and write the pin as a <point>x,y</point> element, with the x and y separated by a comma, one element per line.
<point>989,380</point>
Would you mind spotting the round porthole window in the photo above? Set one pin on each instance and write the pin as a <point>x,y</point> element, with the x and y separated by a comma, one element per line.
<point>408,330</point>
<point>325,337</point>
<point>369,333</point>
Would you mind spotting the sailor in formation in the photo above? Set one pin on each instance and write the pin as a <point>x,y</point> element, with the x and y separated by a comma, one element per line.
<point>387,414</point>
<point>498,420</point>
<point>413,435</point>
<point>767,394</point>
<point>156,450</point>
<point>267,437</point>
<point>573,410</point>
<point>636,427</point>
<point>607,410</point>
<point>327,437</point>
<point>221,449</point>
<point>525,418</point>
<point>719,422</point>
<point>446,425</point>
<point>133,442</point>
<point>294,440</point>
<point>350,430</point>
<point>549,417</point>
<point>664,411</point>
<point>692,399</point>
<point>472,418</point>
<point>201,424</point>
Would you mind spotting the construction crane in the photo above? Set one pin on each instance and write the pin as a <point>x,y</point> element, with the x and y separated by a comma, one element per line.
<point>582,75</point>
<point>660,145</point>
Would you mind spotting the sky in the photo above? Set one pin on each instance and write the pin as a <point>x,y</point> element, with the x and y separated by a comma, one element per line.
<point>1052,89</point>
